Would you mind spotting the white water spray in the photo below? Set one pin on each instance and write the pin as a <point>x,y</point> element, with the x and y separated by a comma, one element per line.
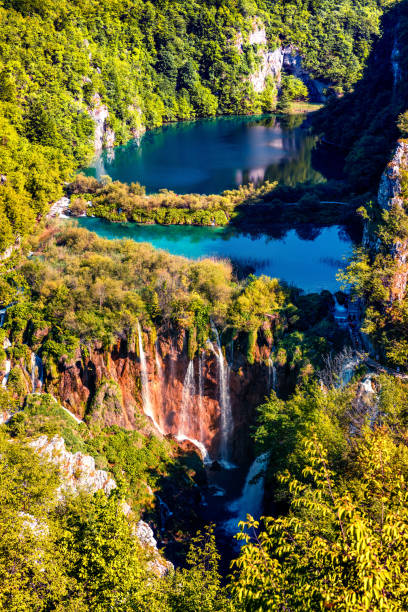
<point>200,393</point>
<point>144,378</point>
<point>203,451</point>
<point>225,400</point>
<point>187,400</point>
<point>6,374</point>
<point>272,375</point>
<point>251,499</point>
<point>37,373</point>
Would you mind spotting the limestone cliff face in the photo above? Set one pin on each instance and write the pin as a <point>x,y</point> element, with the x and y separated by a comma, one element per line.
<point>103,135</point>
<point>389,196</point>
<point>389,192</point>
<point>283,59</point>
<point>79,474</point>
<point>270,62</point>
<point>185,398</point>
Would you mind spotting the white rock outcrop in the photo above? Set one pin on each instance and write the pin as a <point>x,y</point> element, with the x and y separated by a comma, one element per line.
<point>271,66</point>
<point>78,471</point>
<point>389,195</point>
<point>99,114</point>
<point>258,35</point>
<point>389,191</point>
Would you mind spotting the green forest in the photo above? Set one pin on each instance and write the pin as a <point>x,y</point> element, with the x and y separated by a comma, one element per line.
<point>149,63</point>
<point>100,508</point>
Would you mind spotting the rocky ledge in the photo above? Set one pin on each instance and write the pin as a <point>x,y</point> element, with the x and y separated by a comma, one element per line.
<point>78,473</point>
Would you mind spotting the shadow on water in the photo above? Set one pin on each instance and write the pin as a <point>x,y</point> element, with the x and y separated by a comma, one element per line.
<point>212,155</point>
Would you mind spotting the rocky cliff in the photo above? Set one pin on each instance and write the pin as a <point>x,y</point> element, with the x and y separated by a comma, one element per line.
<point>103,134</point>
<point>78,474</point>
<point>204,400</point>
<point>390,195</point>
<point>272,63</point>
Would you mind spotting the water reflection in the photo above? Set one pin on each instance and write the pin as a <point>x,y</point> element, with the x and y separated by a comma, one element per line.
<point>212,155</point>
<point>307,257</point>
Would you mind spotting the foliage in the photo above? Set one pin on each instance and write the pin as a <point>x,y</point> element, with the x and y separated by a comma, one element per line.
<point>120,202</point>
<point>376,276</point>
<point>63,64</point>
<point>342,548</point>
<point>365,123</point>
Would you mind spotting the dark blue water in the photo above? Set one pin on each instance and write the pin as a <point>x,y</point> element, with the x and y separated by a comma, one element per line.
<point>308,264</point>
<point>212,155</point>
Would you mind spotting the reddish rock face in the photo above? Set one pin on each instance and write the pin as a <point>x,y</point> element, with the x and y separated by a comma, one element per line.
<point>107,386</point>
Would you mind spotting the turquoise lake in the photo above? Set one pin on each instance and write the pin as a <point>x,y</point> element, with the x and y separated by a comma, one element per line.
<point>308,264</point>
<point>211,155</point>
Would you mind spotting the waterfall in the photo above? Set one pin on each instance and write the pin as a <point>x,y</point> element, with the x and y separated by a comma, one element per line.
<point>347,371</point>
<point>37,372</point>
<point>3,312</point>
<point>251,499</point>
<point>6,374</point>
<point>157,360</point>
<point>187,409</point>
<point>71,414</point>
<point>340,314</point>
<point>165,512</point>
<point>203,451</point>
<point>225,400</point>
<point>395,63</point>
<point>187,400</point>
<point>144,378</point>
<point>272,375</point>
<point>200,393</point>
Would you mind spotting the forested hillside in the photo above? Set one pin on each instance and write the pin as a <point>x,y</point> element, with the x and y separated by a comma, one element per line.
<point>135,384</point>
<point>69,70</point>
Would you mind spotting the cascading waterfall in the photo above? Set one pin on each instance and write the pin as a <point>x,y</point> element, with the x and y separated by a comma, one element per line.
<point>3,313</point>
<point>251,499</point>
<point>199,445</point>
<point>395,63</point>
<point>340,314</point>
<point>187,400</point>
<point>165,512</point>
<point>347,371</point>
<point>6,374</point>
<point>159,368</point>
<point>200,393</point>
<point>225,400</point>
<point>37,372</point>
<point>187,410</point>
<point>144,378</point>
<point>272,375</point>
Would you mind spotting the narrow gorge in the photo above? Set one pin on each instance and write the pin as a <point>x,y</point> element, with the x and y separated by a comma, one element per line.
<point>203,305</point>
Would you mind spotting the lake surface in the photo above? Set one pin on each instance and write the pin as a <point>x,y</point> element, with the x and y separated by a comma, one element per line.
<point>308,264</point>
<point>211,155</point>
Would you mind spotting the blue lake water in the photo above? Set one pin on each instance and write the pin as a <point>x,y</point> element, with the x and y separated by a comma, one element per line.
<point>211,155</point>
<point>308,264</point>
